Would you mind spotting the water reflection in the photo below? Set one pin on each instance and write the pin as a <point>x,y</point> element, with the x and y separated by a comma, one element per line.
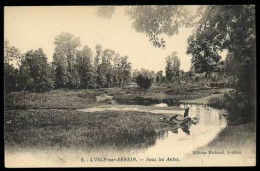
<point>186,138</point>
<point>175,129</point>
<point>186,128</point>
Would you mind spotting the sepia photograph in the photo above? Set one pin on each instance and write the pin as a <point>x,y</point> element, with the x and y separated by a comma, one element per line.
<point>129,86</point>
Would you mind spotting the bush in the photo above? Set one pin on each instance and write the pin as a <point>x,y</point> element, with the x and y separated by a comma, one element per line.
<point>218,103</point>
<point>10,78</point>
<point>240,110</point>
<point>145,79</point>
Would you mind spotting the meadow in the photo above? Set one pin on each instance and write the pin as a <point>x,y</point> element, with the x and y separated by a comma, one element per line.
<point>69,128</point>
<point>51,120</point>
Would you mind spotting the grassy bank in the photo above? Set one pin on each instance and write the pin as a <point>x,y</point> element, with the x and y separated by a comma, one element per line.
<point>235,145</point>
<point>76,99</point>
<point>216,99</point>
<point>69,128</point>
<point>240,138</point>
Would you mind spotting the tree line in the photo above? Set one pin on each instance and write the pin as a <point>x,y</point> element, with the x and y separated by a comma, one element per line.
<point>71,67</point>
<point>173,73</point>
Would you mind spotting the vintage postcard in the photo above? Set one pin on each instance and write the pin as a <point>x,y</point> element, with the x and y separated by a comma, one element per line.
<point>129,86</point>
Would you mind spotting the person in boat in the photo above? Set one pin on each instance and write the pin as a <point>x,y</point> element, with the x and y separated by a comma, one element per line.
<point>186,113</point>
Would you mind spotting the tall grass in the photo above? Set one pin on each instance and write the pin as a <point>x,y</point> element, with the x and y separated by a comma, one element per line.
<point>64,128</point>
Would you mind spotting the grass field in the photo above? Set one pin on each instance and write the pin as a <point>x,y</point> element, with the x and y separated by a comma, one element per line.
<point>69,128</point>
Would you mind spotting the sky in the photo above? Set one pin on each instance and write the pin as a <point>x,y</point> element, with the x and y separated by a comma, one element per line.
<point>30,28</point>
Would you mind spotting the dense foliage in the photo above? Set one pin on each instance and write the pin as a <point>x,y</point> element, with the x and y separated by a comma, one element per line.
<point>158,20</point>
<point>232,28</point>
<point>35,72</point>
<point>145,79</point>
<point>71,67</point>
<point>172,69</point>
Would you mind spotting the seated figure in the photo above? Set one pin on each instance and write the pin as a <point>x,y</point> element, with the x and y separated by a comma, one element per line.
<point>186,113</point>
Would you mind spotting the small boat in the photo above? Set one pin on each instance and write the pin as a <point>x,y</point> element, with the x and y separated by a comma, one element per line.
<point>182,120</point>
<point>186,120</point>
<point>165,120</point>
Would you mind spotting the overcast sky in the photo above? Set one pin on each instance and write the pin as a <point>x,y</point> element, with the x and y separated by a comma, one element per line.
<point>36,27</point>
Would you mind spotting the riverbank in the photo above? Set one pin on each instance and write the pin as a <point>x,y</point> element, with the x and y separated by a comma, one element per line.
<point>237,142</point>
<point>239,137</point>
<point>214,100</point>
<point>84,98</point>
<point>235,145</point>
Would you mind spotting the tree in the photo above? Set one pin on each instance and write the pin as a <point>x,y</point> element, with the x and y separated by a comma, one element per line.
<point>158,20</point>
<point>135,74</point>
<point>159,77</point>
<point>155,20</point>
<point>99,76</point>
<point>191,74</point>
<point>181,75</point>
<point>36,72</point>
<point>11,53</point>
<point>172,67</point>
<point>117,76</point>
<point>205,54</point>
<point>61,79</point>
<point>11,77</point>
<point>125,70</point>
<point>231,66</point>
<point>145,79</point>
<point>85,68</point>
<point>104,70</point>
<point>66,45</point>
<point>11,74</point>
<point>110,68</point>
<point>233,28</point>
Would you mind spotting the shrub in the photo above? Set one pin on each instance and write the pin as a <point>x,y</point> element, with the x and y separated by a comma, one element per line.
<point>218,103</point>
<point>239,109</point>
<point>145,79</point>
<point>10,78</point>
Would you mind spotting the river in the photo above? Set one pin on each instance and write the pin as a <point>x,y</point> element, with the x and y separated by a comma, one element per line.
<point>170,145</point>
